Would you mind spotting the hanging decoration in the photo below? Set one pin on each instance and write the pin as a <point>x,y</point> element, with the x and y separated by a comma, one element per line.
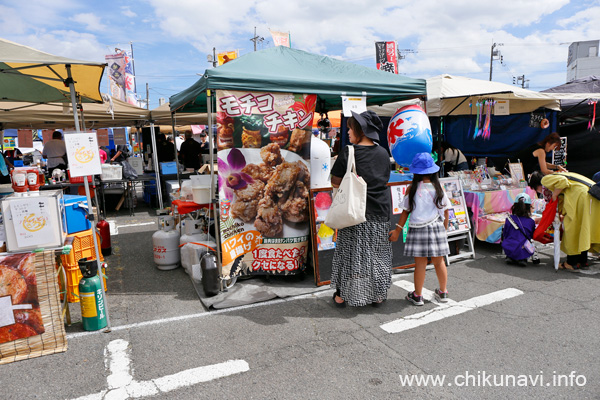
<point>470,117</point>
<point>487,127</point>
<point>477,104</point>
<point>592,121</point>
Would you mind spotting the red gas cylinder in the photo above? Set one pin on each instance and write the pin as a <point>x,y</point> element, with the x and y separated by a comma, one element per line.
<point>104,230</point>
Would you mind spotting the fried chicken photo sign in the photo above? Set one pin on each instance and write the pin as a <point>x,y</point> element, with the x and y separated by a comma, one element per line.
<point>20,315</point>
<point>264,180</point>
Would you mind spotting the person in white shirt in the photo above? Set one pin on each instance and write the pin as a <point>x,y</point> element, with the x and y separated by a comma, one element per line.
<point>55,152</point>
<point>427,205</point>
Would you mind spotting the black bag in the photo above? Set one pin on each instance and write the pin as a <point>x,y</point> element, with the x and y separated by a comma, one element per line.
<point>128,171</point>
<point>594,190</point>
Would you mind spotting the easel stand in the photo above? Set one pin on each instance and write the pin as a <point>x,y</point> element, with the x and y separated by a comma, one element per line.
<point>461,255</point>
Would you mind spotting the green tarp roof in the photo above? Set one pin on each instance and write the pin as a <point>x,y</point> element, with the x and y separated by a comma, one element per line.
<point>281,69</point>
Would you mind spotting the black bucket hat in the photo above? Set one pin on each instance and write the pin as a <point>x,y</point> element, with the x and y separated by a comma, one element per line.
<point>370,124</point>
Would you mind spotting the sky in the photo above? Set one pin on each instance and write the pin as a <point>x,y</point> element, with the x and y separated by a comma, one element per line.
<point>172,38</point>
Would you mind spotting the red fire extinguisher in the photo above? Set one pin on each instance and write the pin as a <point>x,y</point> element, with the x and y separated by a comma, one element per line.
<point>104,230</point>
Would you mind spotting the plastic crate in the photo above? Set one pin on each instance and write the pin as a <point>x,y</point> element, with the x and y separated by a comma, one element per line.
<point>78,179</point>
<point>83,247</point>
<point>111,172</point>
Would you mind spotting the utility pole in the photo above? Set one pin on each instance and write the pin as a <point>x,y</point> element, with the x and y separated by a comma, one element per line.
<point>524,82</point>
<point>215,60</point>
<point>256,39</point>
<point>494,54</point>
<point>147,97</point>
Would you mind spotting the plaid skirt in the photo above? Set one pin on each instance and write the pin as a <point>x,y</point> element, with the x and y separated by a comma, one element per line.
<point>428,241</point>
<point>362,262</point>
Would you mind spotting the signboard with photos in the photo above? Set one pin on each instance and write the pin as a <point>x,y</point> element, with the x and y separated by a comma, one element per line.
<point>263,142</point>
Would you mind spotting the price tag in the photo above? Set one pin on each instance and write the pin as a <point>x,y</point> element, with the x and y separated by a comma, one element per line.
<point>358,104</point>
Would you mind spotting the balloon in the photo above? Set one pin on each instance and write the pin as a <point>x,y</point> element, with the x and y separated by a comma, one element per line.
<point>409,133</point>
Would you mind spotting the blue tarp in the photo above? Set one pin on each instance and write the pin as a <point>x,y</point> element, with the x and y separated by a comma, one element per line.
<point>509,133</point>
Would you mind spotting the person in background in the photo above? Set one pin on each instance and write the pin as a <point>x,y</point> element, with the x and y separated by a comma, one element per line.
<point>165,150</point>
<point>453,158</point>
<point>362,262</point>
<point>12,155</point>
<point>121,154</point>
<point>103,155</point>
<point>518,228</point>
<point>55,152</point>
<point>5,167</point>
<point>579,211</point>
<point>427,205</point>
<point>533,157</point>
<point>204,145</point>
<point>189,152</point>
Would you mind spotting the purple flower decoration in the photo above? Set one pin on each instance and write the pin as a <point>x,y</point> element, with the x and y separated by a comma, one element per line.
<point>230,176</point>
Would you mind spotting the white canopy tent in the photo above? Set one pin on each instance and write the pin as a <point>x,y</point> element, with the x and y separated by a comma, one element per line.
<point>451,95</point>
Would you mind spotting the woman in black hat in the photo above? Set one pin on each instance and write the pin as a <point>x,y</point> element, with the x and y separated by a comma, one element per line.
<point>362,263</point>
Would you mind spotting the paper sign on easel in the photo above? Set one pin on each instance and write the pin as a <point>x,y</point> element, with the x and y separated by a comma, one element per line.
<point>358,104</point>
<point>31,220</point>
<point>83,154</point>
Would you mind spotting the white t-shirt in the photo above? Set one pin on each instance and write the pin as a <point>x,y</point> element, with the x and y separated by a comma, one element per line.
<point>425,209</point>
<point>54,150</point>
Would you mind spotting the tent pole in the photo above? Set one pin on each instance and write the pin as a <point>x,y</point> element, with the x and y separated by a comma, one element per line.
<point>213,200</point>
<point>175,145</point>
<point>71,84</point>
<point>156,167</point>
<point>86,185</point>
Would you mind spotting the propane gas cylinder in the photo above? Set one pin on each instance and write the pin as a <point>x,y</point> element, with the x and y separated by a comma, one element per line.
<point>165,243</point>
<point>93,314</point>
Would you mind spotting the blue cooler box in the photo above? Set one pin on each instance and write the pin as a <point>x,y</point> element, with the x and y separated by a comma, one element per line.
<point>76,211</point>
<point>168,168</point>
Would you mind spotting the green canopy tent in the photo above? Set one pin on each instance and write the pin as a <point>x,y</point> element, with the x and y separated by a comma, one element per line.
<point>282,69</point>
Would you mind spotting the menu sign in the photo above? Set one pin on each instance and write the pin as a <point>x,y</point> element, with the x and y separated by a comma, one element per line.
<point>83,154</point>
<point>31,221</point>
<point>458,218</point>
<point>559,157</point>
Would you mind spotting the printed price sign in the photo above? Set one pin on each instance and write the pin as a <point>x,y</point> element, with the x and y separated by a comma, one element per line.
<point>83,154</point>
<point>353,103</point>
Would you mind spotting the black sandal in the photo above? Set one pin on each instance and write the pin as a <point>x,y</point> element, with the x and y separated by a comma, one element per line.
<point>337,294</point>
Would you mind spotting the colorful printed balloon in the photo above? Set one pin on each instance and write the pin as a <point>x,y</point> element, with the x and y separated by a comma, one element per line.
<point>409,133</point>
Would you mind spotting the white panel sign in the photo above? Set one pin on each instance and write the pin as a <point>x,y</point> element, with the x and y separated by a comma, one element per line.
<point>83,154</point>
<point>357,104</point>
<point>31,221</point>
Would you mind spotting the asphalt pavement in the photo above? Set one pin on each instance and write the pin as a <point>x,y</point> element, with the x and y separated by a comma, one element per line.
<point>509,332</point>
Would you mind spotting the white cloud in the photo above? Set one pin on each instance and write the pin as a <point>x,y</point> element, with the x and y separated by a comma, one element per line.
<point>126,11</point>
<point>90,21</point>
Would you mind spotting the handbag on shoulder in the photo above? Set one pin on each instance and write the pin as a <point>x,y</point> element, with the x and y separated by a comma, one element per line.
<point>350,203</point>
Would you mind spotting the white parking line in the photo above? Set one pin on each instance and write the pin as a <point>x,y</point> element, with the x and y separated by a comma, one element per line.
<point>446,310</point>
<point>121,384</point>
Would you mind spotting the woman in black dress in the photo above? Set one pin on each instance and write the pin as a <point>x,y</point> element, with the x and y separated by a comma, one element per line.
<point>362,263</point>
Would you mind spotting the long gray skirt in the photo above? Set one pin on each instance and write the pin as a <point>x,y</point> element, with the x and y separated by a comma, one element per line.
<point>362,263</point>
